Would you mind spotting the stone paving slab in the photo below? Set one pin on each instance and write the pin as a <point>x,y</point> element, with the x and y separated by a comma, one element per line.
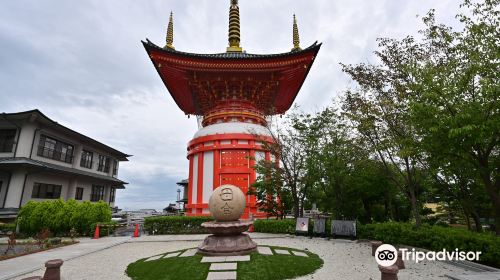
<point>213,259</point>
<point>226,259</point>
<point>226,275</point>
<point>224,266</point>
<point>175,254</point>
<point>282,252</point>
<point>264,250</point>
<point>154,258</point>
<point>300,254</point>
<point>237,258</point>
<point>189,253</point>
<point>476,276</point>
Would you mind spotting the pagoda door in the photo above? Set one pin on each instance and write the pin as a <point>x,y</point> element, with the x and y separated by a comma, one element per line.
<point>239,180</point>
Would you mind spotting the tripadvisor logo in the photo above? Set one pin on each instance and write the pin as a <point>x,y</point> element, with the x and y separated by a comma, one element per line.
<point>387,255</point>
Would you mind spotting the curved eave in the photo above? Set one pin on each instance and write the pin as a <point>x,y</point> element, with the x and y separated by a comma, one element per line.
<point>172,66</point>
<point>229,55</point>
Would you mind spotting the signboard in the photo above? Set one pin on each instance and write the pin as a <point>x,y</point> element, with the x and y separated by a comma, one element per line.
<point>319,225</point>
<point>302,225</point>
<point>344,228</point>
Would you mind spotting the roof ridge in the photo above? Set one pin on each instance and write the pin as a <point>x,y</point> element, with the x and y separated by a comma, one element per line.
<point>231,55</point>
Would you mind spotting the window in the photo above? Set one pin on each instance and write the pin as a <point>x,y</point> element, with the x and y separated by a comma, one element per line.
<point>86,160</point>
<point>97,193</point>
<point>112,193</point>
<point>115,167</point>
<point>104,163</point>
<point>48,191</point>
<point>7,137</point>
<point>55,149</point>
<point>79,194</point>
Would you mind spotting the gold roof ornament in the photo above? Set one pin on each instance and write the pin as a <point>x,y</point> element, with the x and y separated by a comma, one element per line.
<point>296,38</point>
<point>234,28</point>
<point>170,32</point>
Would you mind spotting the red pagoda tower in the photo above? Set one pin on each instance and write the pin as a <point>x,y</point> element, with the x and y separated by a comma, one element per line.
<point>232,93</point>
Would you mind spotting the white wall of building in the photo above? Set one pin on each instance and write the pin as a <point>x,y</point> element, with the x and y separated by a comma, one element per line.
<point>25,139</point>
<point>15,188</point>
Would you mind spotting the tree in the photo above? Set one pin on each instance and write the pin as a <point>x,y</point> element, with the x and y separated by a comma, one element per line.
<point>434,102</point>
<point>288,165</point>
<point>454,96</point>
<point>379,114</point>
<point>268,189</point>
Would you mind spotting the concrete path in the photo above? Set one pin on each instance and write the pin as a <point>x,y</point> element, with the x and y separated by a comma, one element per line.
<point>476,276</point>
<point>21,265</point>
<point>343,259</point>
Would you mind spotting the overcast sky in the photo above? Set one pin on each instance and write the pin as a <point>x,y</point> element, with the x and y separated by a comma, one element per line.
<point>82,64</point>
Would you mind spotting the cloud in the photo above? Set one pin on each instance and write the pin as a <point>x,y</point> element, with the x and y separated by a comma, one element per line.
<point>82,64</point>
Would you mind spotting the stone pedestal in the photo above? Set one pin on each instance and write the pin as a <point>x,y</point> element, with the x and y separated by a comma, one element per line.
<point>388,272</point>
<point>53,269</point>
<point>227,239</point>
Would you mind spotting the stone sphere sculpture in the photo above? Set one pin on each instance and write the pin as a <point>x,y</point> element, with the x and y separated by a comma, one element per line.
<point>227,237</point>
<point>227,203</point>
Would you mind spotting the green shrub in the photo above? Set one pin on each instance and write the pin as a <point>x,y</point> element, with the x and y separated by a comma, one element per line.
<point>175,224</point>
<point>435,238</point>
<point>59,216</point>
<point>275,226</point>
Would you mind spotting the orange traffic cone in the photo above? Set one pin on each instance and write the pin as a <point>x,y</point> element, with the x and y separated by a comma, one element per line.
<point>136,232</point>
<point>96,232</point>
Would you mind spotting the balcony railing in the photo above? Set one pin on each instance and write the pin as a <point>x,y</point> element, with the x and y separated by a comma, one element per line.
<point>54,154</point>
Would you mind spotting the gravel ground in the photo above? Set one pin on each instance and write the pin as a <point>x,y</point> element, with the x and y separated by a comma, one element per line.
<point>345,259</point>
<point>342,260</point>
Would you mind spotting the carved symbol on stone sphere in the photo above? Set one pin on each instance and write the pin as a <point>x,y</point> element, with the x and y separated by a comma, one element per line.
<point>226,194</point>
<point>226,209</point>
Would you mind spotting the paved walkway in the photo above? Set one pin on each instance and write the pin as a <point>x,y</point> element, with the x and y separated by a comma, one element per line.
<point>343,259</point>
<point>21,265</point>
<point>476,276</point>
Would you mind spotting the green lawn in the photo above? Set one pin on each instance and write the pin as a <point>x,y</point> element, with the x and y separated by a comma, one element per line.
<point>259,267</point>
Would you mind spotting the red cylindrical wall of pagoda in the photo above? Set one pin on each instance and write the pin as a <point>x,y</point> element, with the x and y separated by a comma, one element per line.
<point>224,151</point>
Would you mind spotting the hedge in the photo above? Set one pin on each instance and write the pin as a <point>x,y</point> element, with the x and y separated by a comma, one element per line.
<point>435,238</point>
<point>7,227</point>
<point>275,226</point>
<point>285,226</point>
<point>175,224</point>
<point>61,216</point>
<point>105,228</point>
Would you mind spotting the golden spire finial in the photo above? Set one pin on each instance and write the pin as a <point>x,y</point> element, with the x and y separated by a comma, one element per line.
<point>296,39</point>
<point>170,32</point>
<point>234,28</point>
